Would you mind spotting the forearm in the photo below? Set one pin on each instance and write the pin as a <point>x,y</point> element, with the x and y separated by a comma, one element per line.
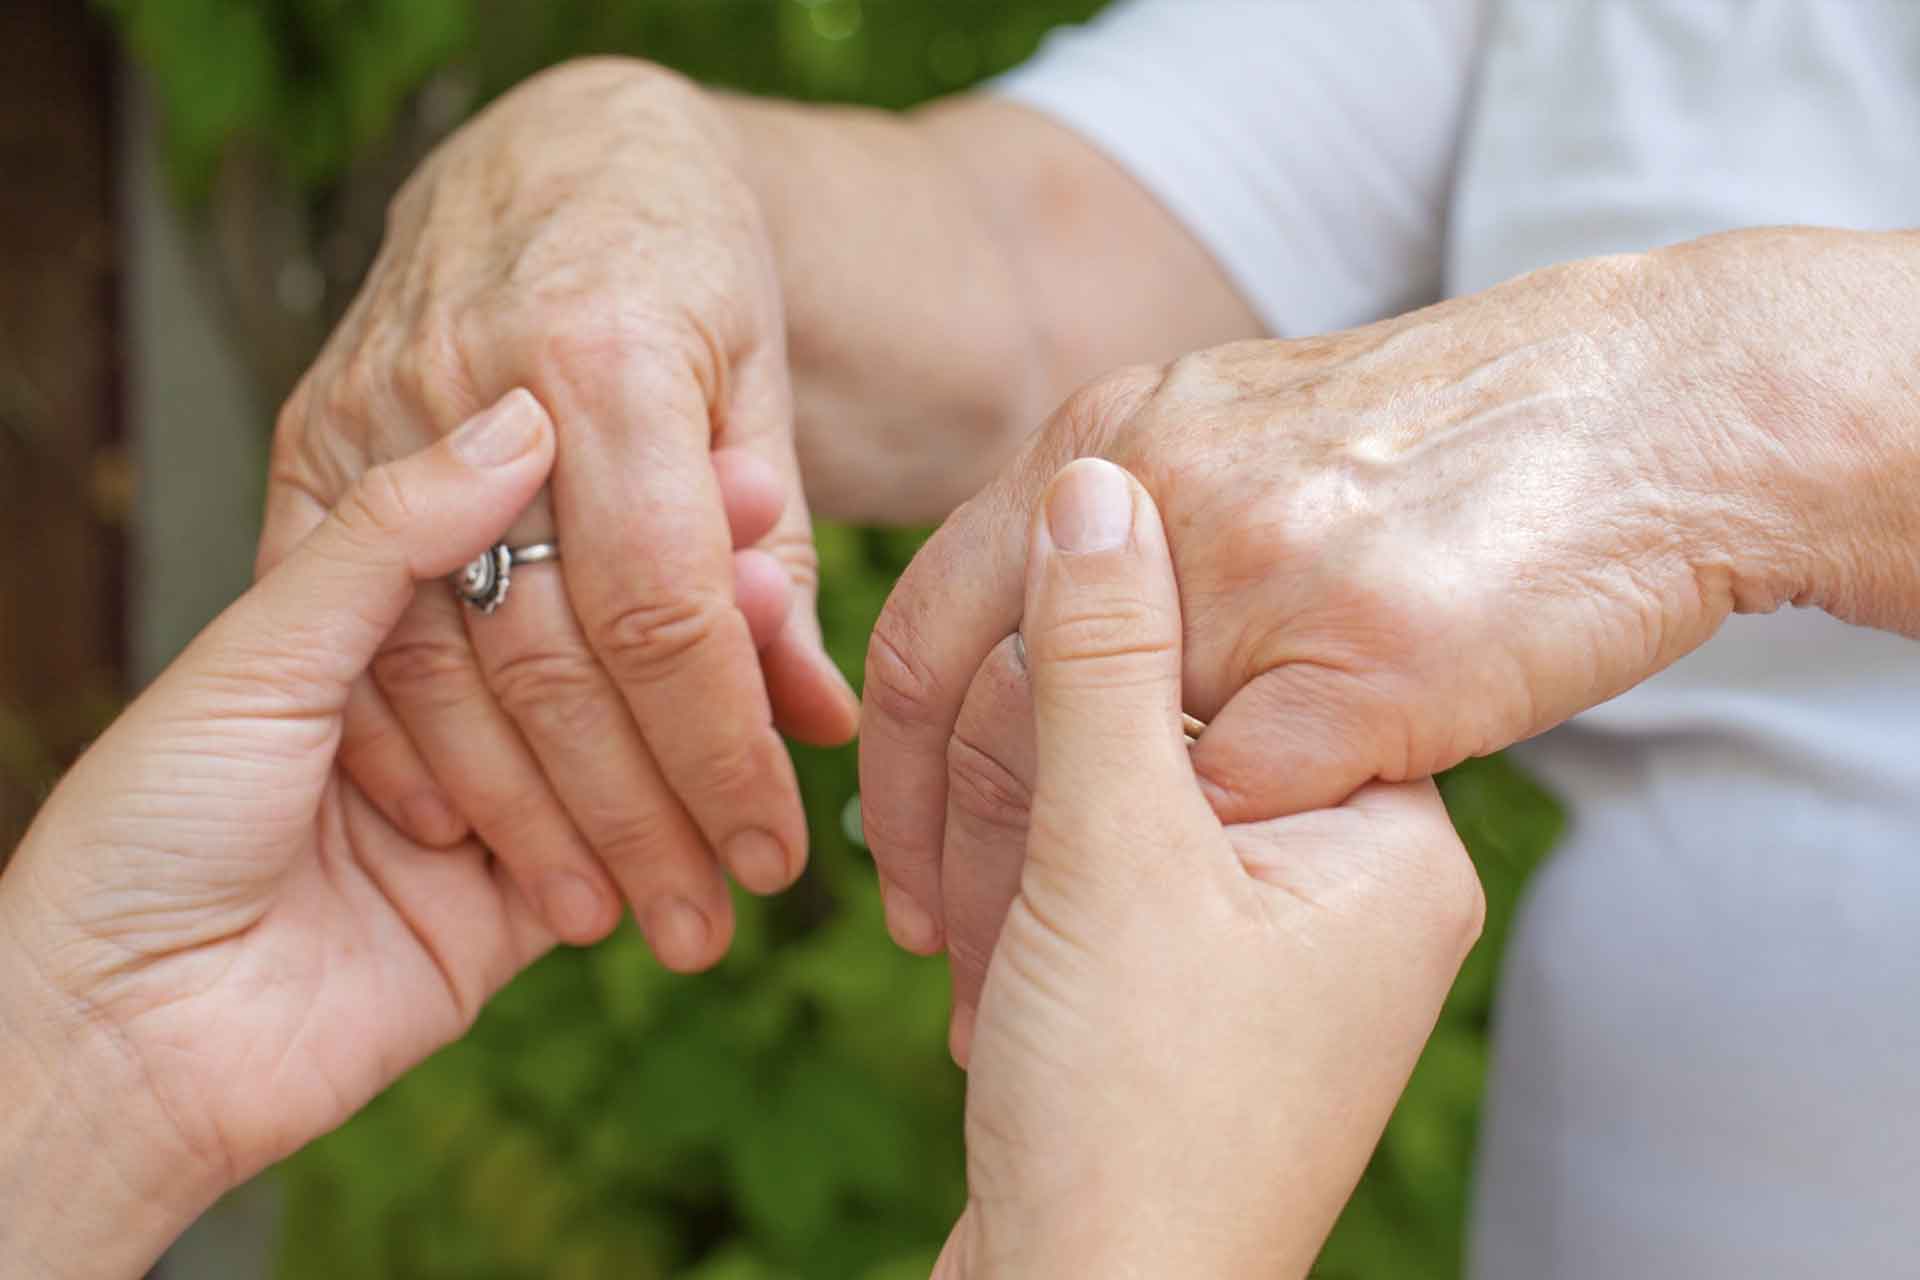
<point>1813,338</point>
<point>1138,1242</point>
<point>949,277</point>
<point>86,1190</point>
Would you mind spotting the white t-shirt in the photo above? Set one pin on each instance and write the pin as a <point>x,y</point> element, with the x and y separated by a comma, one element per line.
<point>1707,1058</point>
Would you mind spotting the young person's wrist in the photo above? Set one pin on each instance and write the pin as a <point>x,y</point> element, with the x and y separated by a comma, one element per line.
<point>93,1181</point>
<point>1152,1236</point>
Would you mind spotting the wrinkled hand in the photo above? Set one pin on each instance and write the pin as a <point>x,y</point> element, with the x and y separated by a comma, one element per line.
<point>1397,548</point>
<point>589,238</point>
<point>1192,1035</point>
<point>213,945</point>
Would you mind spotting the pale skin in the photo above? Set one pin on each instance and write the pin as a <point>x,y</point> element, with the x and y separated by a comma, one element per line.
<point>215,950</point>
<point>1631,450</point>
<point>1430,538</point>
<point>1404,545</point>
<point>1193,1033</point>
<point>734,311</point>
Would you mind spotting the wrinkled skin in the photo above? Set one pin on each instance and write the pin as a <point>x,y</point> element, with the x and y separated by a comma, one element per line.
<point>216,949</point>
<point>1193,1033</point>
<point>612,732</point>
<point>1398,547</point>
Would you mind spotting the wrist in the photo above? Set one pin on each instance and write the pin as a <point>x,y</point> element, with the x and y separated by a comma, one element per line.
<point>914,369</point>
<point>1151,1236</point>
<point>91,1181</point>
<point>1809,342</point>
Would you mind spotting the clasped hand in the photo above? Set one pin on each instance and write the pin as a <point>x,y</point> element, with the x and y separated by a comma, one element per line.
<point>215,948</point>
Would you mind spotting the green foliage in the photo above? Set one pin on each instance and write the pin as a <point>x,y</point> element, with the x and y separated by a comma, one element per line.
<point>792,1114</point>
<point>315,82</point>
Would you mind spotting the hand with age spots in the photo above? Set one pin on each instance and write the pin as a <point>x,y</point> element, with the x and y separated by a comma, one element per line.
<point>1419,541</point>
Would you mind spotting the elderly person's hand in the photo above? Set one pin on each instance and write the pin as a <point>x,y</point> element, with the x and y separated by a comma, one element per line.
<point>212,947</point>
<point>1192,1033</point>
<point>1426,539</point>
<point>611,730</point>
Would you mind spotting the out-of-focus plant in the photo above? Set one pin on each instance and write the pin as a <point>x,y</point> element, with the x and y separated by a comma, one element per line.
<point>792,1114</point>
<point>321,81</point>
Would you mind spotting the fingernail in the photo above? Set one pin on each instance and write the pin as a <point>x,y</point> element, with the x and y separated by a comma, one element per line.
<point>908,923</point>
<point>573,907</point>
<point>1090,507</point>
<point>432,819</point>
<point>678,933</point>
<point>499,435</point>
<point>757,861</point>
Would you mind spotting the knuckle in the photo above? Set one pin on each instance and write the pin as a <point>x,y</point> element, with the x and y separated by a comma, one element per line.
<point>520,827</point>
<point>378,508</point>
<point>899,688</point>
<point>434,372</point>
<point>795,551</point>
<point>984,789</point>
<point>1194,372</point>
<point>900,849</point>
<point>670,360</point>
<point>552,693</point>
<point>1103,405</point>
<point>592,334</point>
<point>339,402</point>
<point>651,640</point>
<point>358,387</point>
<point>1112,633</point>
<point>733,769</point>
<point>429,674</point>
<point>641,839</point>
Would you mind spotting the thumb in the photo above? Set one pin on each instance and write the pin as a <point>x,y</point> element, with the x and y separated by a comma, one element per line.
<point>1102,639</point>
<point>317,619</point>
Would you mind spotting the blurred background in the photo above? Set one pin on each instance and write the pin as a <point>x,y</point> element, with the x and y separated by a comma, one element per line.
<point>192,190</point>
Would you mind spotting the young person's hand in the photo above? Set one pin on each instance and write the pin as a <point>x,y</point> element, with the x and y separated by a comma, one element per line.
<point>213,948</point>
<point>1192,1034</point>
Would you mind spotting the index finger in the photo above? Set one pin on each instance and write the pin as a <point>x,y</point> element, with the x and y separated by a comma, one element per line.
<point>649,570</point>
<point>961,596</point>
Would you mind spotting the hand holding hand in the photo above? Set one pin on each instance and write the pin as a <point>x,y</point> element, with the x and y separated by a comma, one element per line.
<point>611,731</point>
<point>1192,1034</point>
<point>1397,548</point>
<point>213,949</point>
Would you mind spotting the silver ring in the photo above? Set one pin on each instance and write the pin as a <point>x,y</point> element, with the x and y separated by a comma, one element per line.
<point>483,583</point>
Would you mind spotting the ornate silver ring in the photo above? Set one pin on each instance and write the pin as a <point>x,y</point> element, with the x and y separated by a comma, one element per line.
<point>483,583</point>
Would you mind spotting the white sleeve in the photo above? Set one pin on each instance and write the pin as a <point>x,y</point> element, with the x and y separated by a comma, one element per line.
<point>1309,144</point>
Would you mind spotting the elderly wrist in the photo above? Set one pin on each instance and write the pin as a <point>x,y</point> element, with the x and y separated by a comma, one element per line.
<point>1805,342</point>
